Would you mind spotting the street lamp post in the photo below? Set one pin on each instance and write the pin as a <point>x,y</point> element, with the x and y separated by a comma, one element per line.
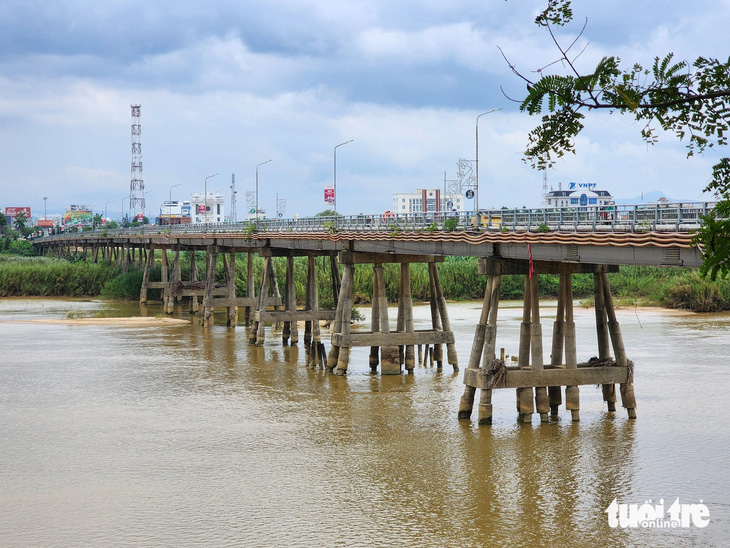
<point>205,197</point>
<point>257,187</point>
<point>173,186</point>
<point>334,177</point>
<point>169,206</point>
<point>477,157</point>
<point>106,204</point>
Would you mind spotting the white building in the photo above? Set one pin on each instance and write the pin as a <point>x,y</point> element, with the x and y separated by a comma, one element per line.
<point>578,195</point>
<point>425,200</point>
<point>207,211</point>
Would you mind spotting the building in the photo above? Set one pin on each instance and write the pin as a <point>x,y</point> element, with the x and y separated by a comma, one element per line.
<point>578,195</point>
<point>174,213</point>
<point>207,211</point>
<point>426,200</point>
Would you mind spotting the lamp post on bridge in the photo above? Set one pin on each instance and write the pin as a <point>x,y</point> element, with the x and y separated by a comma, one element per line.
<point>257,188</point>
<point>173,186</point>
<point>334,181</point>
<point>205,196</point>
<point>477,156</point>
<point>106,204</point>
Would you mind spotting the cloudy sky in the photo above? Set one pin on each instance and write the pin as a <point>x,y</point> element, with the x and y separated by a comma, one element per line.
<point>228,84</point>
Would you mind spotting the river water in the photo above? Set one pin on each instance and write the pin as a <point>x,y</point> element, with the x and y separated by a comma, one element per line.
<point>183,436</point>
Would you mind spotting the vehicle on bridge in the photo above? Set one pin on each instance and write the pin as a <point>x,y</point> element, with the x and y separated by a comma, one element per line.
<point>487,220</point>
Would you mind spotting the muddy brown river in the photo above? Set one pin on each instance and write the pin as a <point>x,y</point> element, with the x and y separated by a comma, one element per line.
<point>118,434</point>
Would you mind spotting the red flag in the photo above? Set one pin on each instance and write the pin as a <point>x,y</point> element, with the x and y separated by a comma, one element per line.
<point>532,268</point>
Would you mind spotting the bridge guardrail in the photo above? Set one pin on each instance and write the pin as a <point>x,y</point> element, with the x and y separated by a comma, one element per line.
<point>682,216</point>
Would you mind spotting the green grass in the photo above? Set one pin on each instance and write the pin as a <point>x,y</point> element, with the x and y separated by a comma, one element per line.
<point>675,288</point>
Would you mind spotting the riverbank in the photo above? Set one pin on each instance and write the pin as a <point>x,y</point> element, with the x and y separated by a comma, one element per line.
<point>632,286</point>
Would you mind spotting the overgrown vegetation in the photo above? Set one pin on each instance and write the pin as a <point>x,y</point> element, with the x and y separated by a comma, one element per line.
<point>41,276</point>
<point>674,288</point>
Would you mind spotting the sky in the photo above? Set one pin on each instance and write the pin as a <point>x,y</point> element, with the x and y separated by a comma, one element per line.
<point>225,85</point>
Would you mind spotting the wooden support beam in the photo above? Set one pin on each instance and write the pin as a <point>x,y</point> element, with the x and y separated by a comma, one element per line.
<point>389,353</point>
<point>275,289</point>
<point>542,402</point>
<point>211,255</point>
<point>556,353</point>
<point>316,351</point>
<point>410,356</point>
<point>609,390</point>
<point>259,332</point>
<point>628,400</point>
<point>232,307</point>
<point>343,356</point>
<point>333,356</point>
<point>552,376</point>
<point>293,316</point>
<point>572,393</point>
<point>336,280</point>
<point>356,257</point>
<point>193,279</point>
<point>393,338</point>
<point>374,358</point>
<point>228,302</point>
<point>493,266</point>
<point>146,276</point>
<point>438,352</point>
<point>250,287</point>
<point>169,303</point>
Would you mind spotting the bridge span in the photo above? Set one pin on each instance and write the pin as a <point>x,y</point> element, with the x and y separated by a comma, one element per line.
<point>538,377</point>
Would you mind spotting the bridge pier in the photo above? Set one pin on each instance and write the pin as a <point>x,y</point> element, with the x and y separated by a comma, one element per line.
<point>260,315</point>
<point>389,349</point>
<point>289,316</point>
<point>532,376</point>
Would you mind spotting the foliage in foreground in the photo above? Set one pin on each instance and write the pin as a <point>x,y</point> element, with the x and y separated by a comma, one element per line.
<point>690,100</point>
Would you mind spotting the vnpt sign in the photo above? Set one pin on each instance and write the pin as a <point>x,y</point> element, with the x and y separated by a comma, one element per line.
<point>576,186</point>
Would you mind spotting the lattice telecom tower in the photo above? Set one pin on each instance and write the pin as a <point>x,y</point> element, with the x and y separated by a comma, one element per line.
<point>233,197</point>
<point>136,185</point>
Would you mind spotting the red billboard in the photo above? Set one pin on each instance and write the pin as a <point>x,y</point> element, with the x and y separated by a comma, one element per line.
<point>45,223</point>
<point>201,209</point>
<point>13,211</point>
<point>329,195</point>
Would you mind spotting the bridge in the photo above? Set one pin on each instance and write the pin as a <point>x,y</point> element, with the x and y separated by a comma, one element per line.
<point>527,243</point>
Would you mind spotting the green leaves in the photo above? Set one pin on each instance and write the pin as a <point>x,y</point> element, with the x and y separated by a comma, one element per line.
<point>558,12</point>
<point>690,101</point>
<point>693,103</point>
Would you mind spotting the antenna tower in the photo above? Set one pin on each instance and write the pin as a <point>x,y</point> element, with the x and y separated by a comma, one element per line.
<point>136,185</point>
<point>233,197</point>
<point>544,188</point>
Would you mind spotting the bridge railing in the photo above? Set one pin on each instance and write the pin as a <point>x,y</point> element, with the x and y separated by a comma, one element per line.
<point>682,216</point>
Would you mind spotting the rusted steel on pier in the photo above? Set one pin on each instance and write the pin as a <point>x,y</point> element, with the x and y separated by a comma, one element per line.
<point>389,349</point>
<point>487,372</point>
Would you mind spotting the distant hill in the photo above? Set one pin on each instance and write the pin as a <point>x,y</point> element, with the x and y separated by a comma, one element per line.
<point>648,197</point>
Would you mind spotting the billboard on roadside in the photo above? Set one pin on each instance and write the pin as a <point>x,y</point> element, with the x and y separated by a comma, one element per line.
<point>12,212</point>
<point>78,217</point>
<point>329,195</point>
